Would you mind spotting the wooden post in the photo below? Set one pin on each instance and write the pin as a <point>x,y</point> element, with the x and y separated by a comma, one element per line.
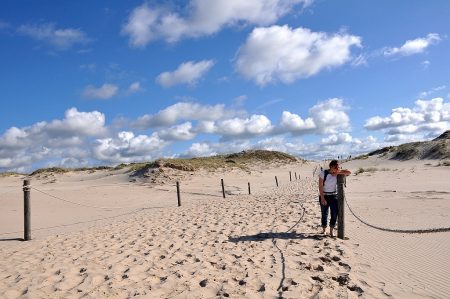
<point>26,210</point>
<point>276,180</point>
<point>290,176</point>
<point>223,188</point>
<point>178,194</point>
<point>249,192</point>
<point>341,198</point>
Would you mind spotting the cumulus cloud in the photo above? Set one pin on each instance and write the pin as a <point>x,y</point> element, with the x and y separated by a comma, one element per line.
<point>183,111</point>
<point>336,139</point>
<point>201,18</point>
<point>127,147</point>
<point>429,117</point>
<point>199,149</point>
<point>60,38</point>
<point>179,132</point>
<point>106,91</point>
<point>415,46</point>
<point>330,116</point>
<point>281,53</point>
<point>187,73</point>
<point>293,123</point>
<point>20,147</point>
<point>244,127</point>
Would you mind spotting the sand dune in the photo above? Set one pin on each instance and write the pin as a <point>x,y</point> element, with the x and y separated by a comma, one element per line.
<point>264,245</point>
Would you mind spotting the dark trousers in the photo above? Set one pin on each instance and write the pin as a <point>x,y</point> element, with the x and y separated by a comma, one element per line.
<point>332,205</point>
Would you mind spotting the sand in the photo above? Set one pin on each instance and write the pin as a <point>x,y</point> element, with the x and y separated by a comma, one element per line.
<point>106,235</point>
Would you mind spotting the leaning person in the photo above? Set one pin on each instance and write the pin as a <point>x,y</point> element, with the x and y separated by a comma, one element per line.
<point>328,194</point>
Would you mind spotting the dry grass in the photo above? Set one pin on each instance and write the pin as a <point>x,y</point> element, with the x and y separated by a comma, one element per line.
<point>8,174</point>
<point>56,170</point>
<point>370,169</point>
<point>444,163</point>
<point>243,161</point>
<point>49,170</point>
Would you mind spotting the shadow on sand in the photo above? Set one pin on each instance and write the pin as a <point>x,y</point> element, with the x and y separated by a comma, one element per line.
<point>12,239</point>
<point>269,236</point>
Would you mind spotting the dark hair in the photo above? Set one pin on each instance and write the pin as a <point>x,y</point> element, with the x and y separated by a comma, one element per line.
<point>333,163</point>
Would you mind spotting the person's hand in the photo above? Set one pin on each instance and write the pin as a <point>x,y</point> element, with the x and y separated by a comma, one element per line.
<point>323,202</point>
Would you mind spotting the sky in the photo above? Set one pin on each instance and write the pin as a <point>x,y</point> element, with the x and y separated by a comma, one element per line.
<point>87,83</point>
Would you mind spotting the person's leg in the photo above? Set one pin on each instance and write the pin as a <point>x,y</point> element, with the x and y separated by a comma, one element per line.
<point>334,209</point>
<point>324,212</point>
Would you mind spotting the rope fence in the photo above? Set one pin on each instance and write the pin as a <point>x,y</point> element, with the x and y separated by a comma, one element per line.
<point>394,230</point>
<point>181,191</point>
<point>28,187</point>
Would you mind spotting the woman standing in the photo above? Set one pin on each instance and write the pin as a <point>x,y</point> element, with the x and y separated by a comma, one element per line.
<point>328,194</point>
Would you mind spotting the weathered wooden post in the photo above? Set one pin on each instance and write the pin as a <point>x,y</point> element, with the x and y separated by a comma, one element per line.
<point>276,180</point>
<point>290,176</point>
<point>223,188</point>
<point>178,194</point>
<point>341,198</point>
<point>26,210</point>
<point>249,192</point>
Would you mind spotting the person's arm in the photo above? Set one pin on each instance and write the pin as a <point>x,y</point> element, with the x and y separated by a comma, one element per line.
<point>344,172</point>
<point>323,202</point>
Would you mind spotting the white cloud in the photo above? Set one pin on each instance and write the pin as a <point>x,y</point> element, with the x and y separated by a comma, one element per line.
<point>134,88</point>
<point>183,111</point>
<point>293,123</point>
<point>200,149</point>
<point>330,116</point>
<point>210,148</point>
<point>106,91</point>
<point>201,18</point>
<point>206,126</point>
<point>62,39</point>
<point>75,124</point>
<point>128,148</point>
<point>280,53</point>
<point>58,132</point>
<point>20,147</point>
<point>139,25</point>
<point>427,117</point>
<point>179,132</point>
<point>336,139</point>
<point>425,94</point>
<point>244,128</point>
<point>187,73</point>
<point>415,46</point>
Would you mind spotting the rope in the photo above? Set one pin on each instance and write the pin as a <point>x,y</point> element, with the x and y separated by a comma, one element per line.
<point>87,221</point>
<point>74,203</point>
<point>404,231</point>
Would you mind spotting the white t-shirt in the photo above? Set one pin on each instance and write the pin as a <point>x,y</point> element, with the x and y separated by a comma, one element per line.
<point>330,183</point>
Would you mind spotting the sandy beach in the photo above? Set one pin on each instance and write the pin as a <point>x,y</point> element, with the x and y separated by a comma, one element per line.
<point>103,234</point>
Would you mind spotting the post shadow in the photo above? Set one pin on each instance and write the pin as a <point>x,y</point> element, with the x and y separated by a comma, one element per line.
<point>269,236</point>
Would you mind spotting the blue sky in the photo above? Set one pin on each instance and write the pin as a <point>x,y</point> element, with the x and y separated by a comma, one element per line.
<point>105,82</point>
